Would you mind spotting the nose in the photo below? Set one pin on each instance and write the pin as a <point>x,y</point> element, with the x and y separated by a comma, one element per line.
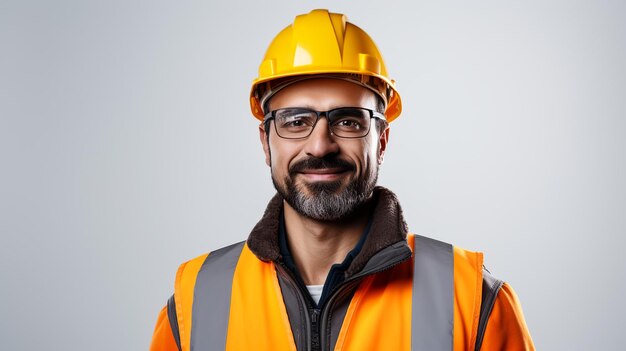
<point>321,143</point>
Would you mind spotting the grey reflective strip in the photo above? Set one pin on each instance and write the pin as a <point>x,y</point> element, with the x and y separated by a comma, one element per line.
<point>432,320</point>
<point>211,299</point>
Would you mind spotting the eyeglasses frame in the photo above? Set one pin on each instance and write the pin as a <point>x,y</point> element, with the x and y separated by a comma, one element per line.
<point>272,115</point>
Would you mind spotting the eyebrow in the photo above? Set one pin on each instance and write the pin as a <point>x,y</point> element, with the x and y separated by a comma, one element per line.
<point>306,106</point>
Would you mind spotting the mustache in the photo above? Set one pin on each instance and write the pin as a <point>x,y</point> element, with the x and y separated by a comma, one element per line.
<point>320,163</point>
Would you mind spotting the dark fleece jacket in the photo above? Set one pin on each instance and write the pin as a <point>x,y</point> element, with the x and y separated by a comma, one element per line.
<point>388,227</point>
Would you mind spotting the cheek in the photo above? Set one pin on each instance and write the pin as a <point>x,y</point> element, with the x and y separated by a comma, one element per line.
<point>281,156</point>
<point>365,155</point>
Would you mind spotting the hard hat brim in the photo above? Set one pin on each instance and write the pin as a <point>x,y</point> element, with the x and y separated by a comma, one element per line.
<point>263,89</point>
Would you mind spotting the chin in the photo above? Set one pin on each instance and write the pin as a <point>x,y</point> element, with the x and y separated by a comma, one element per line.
<point>322,186</point>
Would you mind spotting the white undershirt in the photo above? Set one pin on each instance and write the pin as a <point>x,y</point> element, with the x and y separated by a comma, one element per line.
<point>315,291</point>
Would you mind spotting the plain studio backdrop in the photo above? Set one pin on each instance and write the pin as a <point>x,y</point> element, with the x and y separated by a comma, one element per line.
<point>127,147</point>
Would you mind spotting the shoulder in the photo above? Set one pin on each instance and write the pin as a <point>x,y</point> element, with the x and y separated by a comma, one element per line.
<point>190,268</point>
<point>501,323</point>
<point>188,271</point>
<point>462,258</point>
<point>507,327</point>
<point>185,283</point>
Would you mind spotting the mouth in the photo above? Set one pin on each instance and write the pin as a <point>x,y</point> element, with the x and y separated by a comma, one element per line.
<point>323,174</point>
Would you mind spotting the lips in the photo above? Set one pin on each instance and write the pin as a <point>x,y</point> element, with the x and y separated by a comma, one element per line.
<point>321,166</point>
<point>323,171</point>
<point>323,174</point>
<point>327,169</point>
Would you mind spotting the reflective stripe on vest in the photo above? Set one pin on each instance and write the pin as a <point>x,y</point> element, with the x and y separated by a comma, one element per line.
<point>432,320</point>
<point>432,297</point>
<point>211,301</point>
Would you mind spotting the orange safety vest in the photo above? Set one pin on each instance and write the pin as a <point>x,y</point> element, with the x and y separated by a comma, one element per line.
<point>235,302</point>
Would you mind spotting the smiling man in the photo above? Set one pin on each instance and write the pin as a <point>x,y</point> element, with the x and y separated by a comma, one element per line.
<point>331,264</point>
<point>324,173</point>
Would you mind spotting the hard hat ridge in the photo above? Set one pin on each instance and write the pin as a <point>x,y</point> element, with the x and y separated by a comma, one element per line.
<point>323,44</point>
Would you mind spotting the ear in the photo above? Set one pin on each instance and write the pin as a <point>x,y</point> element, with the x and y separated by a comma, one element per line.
<point>383,138</point>
<point>264,138</point>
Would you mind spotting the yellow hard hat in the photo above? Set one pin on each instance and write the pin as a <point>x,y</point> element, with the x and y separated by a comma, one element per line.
<point>325,44</point>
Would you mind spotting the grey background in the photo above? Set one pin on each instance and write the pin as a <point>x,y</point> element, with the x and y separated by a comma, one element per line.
<point>127,147</point>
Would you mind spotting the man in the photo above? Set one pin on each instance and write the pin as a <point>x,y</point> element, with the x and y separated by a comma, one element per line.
<point>331,264</point>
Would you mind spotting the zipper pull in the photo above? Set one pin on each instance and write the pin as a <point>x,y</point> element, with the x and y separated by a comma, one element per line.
<point>315,315</point>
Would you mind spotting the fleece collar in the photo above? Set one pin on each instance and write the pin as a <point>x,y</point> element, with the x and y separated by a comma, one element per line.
<point>388,228</point>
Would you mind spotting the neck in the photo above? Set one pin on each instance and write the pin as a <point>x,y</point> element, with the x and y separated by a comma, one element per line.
<point>317,245</point>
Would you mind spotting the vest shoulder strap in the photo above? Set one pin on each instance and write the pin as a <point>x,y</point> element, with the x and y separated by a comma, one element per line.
<point>211,301</point>
<point>432,315</point>
<point>491,287</point>
<point>209,275</point>
<point>179,305</point>
<point>433,289</point>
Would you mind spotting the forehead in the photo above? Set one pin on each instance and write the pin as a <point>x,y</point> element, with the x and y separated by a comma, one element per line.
<point>323,94</point>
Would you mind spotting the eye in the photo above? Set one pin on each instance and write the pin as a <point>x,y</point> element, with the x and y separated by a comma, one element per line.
<point>349,123</point>
<point>295,119</point>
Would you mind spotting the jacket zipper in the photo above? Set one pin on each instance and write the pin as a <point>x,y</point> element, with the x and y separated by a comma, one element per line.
<point>315,330</point>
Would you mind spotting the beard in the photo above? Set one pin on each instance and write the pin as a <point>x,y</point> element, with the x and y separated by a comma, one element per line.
<point>327,200</point>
